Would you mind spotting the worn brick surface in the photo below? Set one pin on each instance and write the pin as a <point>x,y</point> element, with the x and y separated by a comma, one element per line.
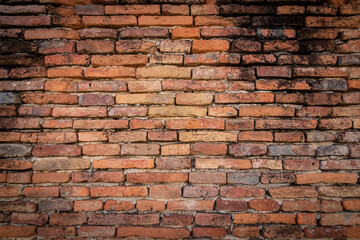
<point>179,119</point>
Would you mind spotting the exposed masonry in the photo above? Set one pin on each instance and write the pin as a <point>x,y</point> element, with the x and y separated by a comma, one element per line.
<point>179,119</point>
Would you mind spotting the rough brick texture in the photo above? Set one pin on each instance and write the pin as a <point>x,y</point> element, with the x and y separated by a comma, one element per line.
<point>179,119</point>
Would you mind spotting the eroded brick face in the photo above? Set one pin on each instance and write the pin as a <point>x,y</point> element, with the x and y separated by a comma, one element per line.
<point>179,119</point>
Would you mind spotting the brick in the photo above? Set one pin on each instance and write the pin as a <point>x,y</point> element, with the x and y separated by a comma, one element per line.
<point>343,192</point>
<point>258,58</point>
<point>94,33</point>
<point>29,218</point>
<point>92,136</point>
<point>140,149</point>
<point>109,21</point>
<point>209,232</point>
<point>44,98</point>
<point>128,112</point>
<point>281,46</point>
<point>127,137</point>
<point>253,218</point>
<point>197,10</point>
<point>351,205</point>
<point>54,137</point>
<point>300,205</point>
<point>162,136</point>
<point>56,150</point>
<point>245,46</point>
<point>113,72</point>
<point>345,111</point>
<point>181,33</point>
<point>212,149</point>
<point>49,34</point>
<point>289,137</point>
<point>166,59</point>
<point>247,149</point>
<point>282,85</point>
<point>286,124</point>
<point>265,111</point>
<point>177,111</point>
<point>34,111</point>
<point>326,178</point>
<point>267,163</point>
<point>119,60</point>
<point>184,21</point>
<point>66,219</point>
<point>55,205</point>
<point>335,123</point>
<point>200,191</point>
<point>165,192</point>
<point>230,73</point>
<point>17,231</point>
<point>52,177</point>
<point>244,98</point>
<point>339,164</point>
<point>190,205</point>
<point>56,46</point>
<point>177,220</point>
<point>103,86</point>
<point>110,219</point>
<point>202,46</point>
<point>135,46</point>
<point>89,10</point>
<point>263,71</point>
<point>336,150</point>
<point>231,205</point>
<point>163,72</point>
<point>283,232</point>
<point>156,177</point>
<point>244,232</point>
<point>168,163</point>
<point>40,192</point>
<point>227,32</point>
<point>145,124</point>
<point>222,111</point>
<point>19,123</point>
<point>101,149</point>
<point>330,84</point>
<point>175,149</point>
<point>227,163</point>
<point>207,178</point>
<point>74,191</point>
<point>207,137</point>
<point>96,231</point>
<point>162,232</point>
<point>144,86</point>
<point>98,177</point>
<point>301,165</point>
<point>132,9</point>
<point>79,112</point>
<point>121,191</point>
<point>175,46</point>
<point>222,21</point>
<point>64,164</point>
<point>10,136</point>
<point>113,205</point>
<point>25,21</point>
<point>88,206</point>
<point>334,219</point>
<point>195,124</point>
<point>243,124</point>
<point>240,192</point>
<point>314,112</point>
<point>212,59</point>
<point>168,9</point>
<point>291,150</point>
<point>144,32</point>
<point>27,72</point>
<point>293,192</point>
<point>264,205</point>
<point>19,177</point>
<point>150,205</point>
<point>60,86</point>
<point>18,206</point>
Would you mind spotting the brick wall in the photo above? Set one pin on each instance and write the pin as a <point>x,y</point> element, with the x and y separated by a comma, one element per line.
<point>179,118</point>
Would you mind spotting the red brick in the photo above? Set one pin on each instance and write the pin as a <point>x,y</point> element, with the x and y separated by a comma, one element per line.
<point>74,191</point>
<point>175,46</point>
<point>40,192</point>
<point>222,21</point>
<point>109,21</point>
<point>244,98</point>
<point>321,72</point>
<point>212,149</point>
<point>98,177</point>
<point>135,46</point>
<point>230,73</point>
<point>164,192</point>
<point>89,33</point>
<point>202,46</point>
<point>181,33</point>
<point>100,124</point>
<point>200,191</point>
<point>190,205</point>
<point>132,9</point>
<point>156,177</point>
<point>123,163</point>
<point>300,205</point>
<point>51,177</point>
<point>153,232</point>
<point>101,149</point>
<point>293,192</point>
<point>56,150</point>
<point>226,163</point>
<point>243,46</point>
<point>10,136</point>
<point>263,71</point>
<point>88,206</point>
<point>65,219</point>
<point>27,72</point>
<point>56,46</point>
<point>246,232</point>
<point>145,21</point>
<point>96,231</point>
<point>177,220</point>
<point>29,218</point>
<point>281,46</point>
<point>239,192</point>
<point>17,231</point>
<point>264,205</point>
<point>121,191</point>
<point>49,34</point>
<point>209,232</point>
<point>25,21</point>
<point>283,232</point>
<point>113,205</point>
<point>150,205</point>
<point>286,124</point>
<point>145,124</point>
<point>79,112</point>
<point>253,218</point>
